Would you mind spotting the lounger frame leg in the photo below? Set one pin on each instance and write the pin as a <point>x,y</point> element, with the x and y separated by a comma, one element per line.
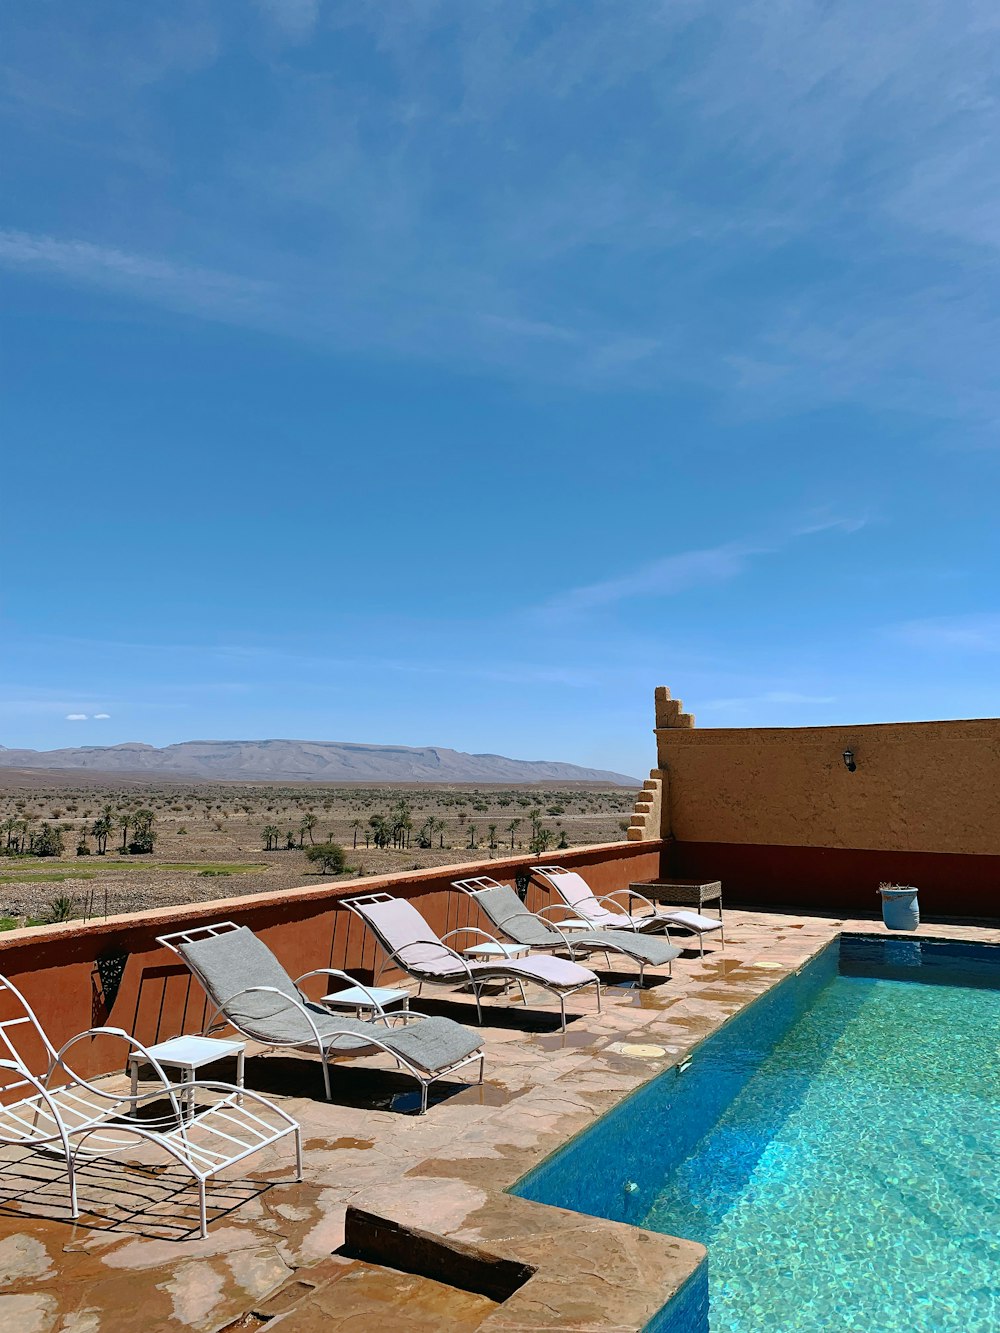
<point>74,1207</point>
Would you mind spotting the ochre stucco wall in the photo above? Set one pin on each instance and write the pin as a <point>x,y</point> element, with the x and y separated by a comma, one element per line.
<point>919,786</point>
<point>775,812</point>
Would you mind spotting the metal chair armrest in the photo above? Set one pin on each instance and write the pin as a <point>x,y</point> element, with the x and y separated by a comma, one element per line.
<point>470,930</point>
<point>136,1045</point>
<point>342,976</point>
<point>265,990</point>
<point>567,916</point>
<point>610,898</point>
<point>412,944</point>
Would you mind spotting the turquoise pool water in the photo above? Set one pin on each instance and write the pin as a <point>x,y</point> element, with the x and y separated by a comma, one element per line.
<point>837,1153</point>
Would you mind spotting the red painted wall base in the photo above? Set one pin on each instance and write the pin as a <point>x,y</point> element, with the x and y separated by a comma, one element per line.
<point>841,879</point>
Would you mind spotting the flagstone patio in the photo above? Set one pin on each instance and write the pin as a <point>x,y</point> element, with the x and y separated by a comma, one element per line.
<point>427,1190</point>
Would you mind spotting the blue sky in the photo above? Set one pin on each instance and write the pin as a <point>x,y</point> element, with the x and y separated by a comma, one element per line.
<point>455,372</point>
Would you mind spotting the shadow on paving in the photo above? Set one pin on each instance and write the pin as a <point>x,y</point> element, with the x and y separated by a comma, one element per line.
<point>120,1197</point>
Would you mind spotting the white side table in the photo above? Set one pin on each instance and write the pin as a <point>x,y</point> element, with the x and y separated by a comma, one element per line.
<point>188,1055</point>
<point>488,951</point>
<point>362,998</point>
<point>573,923</point>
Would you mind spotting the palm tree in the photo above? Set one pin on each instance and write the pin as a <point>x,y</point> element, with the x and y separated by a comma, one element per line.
<point>124,823</point>
<point>439,829</point>
<point>101,830</point>
<point>405,828</point>
<point>355,825</point>
<point>270,833</point>
<point>381,830</point>
<point>491,829</point>
<point>143,836</point>
<point>512,829</point>
<point>309,822</point>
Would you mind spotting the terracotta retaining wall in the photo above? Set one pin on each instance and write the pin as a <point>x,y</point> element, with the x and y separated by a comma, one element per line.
<point>65,971</point>
<point>840,879</point>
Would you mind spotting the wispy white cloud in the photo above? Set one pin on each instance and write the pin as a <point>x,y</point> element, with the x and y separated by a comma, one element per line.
<point>182,287</point>
<point>595,236</point>
<point>661,578</point>
<point>101,717</point>
<point>964,634</point>
<point>677,573</point>
<point>825,522</point>
<point>77,717</point>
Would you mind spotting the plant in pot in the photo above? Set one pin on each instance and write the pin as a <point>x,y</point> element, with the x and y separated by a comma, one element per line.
<point>900,909</point>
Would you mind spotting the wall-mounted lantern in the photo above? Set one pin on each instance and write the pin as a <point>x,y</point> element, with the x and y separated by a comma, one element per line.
<point>849,763</point>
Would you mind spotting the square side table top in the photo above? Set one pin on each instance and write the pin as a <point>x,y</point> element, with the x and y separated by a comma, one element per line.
<point>491,950</point>
<point>353,996</point>
<point>192,1051</point>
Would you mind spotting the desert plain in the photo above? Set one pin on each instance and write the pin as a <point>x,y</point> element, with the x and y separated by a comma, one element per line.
<point>210,839</point>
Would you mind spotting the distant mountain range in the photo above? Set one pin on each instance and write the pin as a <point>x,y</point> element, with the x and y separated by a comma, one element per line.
<point>306,761</point>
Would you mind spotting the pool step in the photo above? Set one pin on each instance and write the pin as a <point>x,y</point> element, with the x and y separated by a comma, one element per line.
<point>352,1293</point>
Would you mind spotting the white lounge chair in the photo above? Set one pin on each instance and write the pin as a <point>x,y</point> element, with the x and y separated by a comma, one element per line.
<point>410,943</point>
<point>274,1011</point>
<point>533,930</point>
<point>205,1127</point>
<point>574,890</point>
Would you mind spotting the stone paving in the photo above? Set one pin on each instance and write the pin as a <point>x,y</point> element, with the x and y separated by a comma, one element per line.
<point>271,1257</point>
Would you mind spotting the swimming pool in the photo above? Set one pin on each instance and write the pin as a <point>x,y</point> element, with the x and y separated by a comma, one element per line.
<point>835,1147</point>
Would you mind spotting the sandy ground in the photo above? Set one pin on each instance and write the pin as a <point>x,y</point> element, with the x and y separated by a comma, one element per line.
<point>209,841</point>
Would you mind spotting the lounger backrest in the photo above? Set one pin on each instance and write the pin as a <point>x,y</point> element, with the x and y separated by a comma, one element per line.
<point>574,890</point>
<point>398,924</point>
<point>227,964</point>
<point>505,909</point>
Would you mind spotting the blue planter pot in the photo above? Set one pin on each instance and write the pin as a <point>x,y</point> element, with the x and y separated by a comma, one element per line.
<point>900,909</point>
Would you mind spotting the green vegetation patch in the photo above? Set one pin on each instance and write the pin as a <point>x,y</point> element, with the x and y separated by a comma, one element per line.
<point>55,876</point>
<point>51,877</point>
